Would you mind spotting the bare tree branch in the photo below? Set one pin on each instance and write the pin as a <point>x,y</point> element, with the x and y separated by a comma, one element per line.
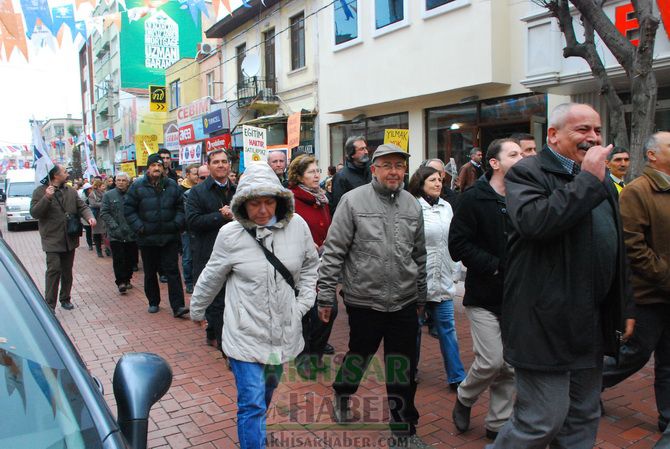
<point>621,48</point>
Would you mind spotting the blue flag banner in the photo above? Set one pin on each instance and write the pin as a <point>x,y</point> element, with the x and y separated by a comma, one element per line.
<point>195,7</point>
<point>63,15</point>
<point>246,4</point>
<point>80,27</point>
<point>33,10</point>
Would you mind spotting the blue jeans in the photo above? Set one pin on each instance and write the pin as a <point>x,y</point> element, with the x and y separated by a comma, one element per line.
<point>443,319</point>
<point>255,384</point>
<point>186,261</point>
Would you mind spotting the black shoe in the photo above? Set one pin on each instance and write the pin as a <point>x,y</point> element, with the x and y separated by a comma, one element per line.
<point>129,285</point>
<point>108,252</point>
<point>189,288</point>
<point>341,411</point>
<point>662,424</point>
<point>491,434</point>
<point>454,386</point>
<point>180,312</point>
<point>163,279</point>
<point>90,248</point>
<point>100,254</point>
<point>153,309</point>
<point>67,305</point>
<point>433,332</point>
<point>328,349</point>
<point>122,288</point>
<point>461,416</point>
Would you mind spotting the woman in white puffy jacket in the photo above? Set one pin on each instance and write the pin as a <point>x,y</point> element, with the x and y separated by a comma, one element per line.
<point>263,313</point>
<point>442,272</point>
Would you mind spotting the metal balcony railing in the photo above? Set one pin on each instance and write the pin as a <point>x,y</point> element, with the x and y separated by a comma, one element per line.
<point>256,89</point>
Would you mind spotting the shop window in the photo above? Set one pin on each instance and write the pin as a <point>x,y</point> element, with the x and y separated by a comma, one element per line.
<point>298,41</point>
<point>346,28</point>
<point>372,128</point>
<point>452,131</point>
<point>210,84</point>
<point>388,12</point>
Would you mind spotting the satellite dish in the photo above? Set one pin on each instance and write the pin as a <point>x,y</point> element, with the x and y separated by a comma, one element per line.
<point>251,65</point>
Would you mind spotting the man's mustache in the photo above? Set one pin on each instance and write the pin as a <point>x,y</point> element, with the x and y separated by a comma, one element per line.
<point>585,145</point>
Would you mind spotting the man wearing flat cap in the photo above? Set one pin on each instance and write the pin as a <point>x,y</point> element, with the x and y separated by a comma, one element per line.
<point>376,240</point>
<point>154,209</point>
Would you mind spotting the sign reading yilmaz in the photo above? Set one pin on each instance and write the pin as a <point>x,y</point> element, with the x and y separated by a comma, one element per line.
<point>154,42</point>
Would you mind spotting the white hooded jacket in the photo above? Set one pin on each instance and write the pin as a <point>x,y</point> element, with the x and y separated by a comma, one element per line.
<point>441,270</point>
<point>262,318</point>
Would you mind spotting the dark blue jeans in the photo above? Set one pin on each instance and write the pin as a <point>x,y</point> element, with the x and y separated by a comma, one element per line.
<point>255,384</point>
<point>443,320</point>
<point>186,260</point>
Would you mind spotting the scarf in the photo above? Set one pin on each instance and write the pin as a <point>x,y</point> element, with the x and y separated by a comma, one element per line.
<point>318,194</point>
<point>429,199</point>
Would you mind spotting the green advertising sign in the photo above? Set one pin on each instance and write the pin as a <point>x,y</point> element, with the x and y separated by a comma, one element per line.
<point>155,42</point>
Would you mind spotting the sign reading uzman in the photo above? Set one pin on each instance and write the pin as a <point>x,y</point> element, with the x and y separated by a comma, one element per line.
<point>161,41</point>
<point>253,140</point>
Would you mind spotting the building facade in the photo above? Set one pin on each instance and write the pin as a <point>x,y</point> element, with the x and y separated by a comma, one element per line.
<point>60,135</point>
<point>423,66</point>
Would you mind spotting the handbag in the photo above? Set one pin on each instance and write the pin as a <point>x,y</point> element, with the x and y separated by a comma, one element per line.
<point>73,226</point>
<point>276,263</point>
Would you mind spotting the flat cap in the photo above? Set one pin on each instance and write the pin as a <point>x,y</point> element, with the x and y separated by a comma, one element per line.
<point>389,148</point>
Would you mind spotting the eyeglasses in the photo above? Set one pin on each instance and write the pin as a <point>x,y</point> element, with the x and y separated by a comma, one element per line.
<point>202,177</point>
<point>388,166</point>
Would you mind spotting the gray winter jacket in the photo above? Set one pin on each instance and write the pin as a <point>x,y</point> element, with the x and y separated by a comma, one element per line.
<point>262,315</point>
<point>112,211</point>
<point>377,242</point>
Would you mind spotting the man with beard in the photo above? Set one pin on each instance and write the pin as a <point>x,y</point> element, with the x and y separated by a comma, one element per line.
<point>356,171</point>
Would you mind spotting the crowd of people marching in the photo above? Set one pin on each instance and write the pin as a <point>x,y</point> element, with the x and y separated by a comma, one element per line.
<point>567,271</point>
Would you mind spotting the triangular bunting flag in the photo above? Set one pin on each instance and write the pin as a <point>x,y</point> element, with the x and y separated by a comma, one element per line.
<point>36,9</point>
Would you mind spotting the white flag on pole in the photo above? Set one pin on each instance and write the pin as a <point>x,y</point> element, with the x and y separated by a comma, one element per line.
<point>42,163</point>
<point>91,167</point>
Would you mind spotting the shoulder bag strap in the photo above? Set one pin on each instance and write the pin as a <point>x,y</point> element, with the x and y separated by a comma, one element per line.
<point>275,262</point>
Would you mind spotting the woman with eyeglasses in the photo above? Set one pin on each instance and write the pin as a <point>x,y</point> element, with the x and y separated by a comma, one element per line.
<point>311,203</point>
<point>442,272</point>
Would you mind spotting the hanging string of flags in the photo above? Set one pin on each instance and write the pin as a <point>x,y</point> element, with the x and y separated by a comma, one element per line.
<point>43,22</point>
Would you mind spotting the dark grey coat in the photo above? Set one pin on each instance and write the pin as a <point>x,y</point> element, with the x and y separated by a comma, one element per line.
<point>112,211</point>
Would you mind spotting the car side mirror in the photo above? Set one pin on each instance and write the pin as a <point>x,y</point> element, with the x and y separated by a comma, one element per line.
<point>140,380</point>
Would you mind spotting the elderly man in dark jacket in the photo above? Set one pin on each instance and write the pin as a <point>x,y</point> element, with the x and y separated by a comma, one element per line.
<point>566,284</point>
<point>51,204</point>
<point>122,239</point>
<point>155,212</point>
<point>207,210</point>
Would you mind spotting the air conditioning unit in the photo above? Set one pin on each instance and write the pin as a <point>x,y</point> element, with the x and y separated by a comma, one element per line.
<point>206,49</point>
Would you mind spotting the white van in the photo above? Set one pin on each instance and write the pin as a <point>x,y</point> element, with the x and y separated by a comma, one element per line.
<point>19,187</point>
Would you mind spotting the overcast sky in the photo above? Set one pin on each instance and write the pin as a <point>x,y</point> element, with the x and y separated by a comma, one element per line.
<point>47,86</point>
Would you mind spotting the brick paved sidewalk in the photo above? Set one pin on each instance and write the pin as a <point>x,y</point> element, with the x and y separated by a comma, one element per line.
<point>199,411</point>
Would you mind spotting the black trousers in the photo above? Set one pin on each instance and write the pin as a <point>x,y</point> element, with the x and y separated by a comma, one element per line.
<point>89,236</point>
<point>652,335</point>
<point>59,272</point>
<point>398,329</point>
<point>315,332</point>
<point>123,259</point>
<point>154,258</point>
<point>214,316</point>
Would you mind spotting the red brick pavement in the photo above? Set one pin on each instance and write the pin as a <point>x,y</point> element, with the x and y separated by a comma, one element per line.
<point>199,410</point>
